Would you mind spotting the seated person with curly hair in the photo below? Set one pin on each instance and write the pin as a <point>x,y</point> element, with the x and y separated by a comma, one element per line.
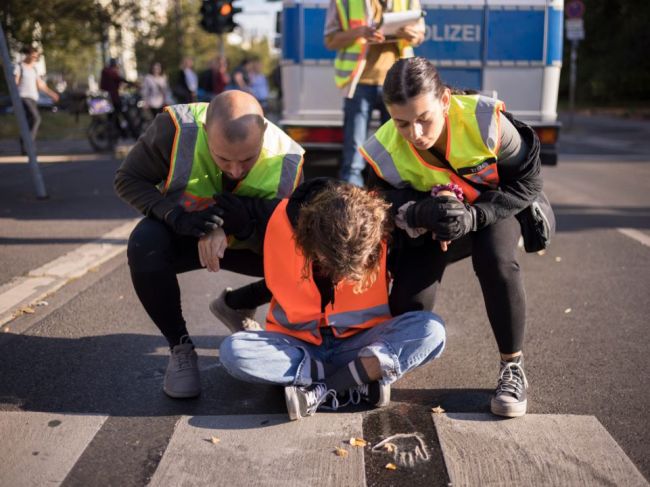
<point>330,339</point>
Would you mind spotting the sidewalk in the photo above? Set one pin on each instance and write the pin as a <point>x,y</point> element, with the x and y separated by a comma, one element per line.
<point>81,208</point>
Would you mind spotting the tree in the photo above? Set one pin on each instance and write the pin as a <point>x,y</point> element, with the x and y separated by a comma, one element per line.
<point>69,31</point>
<point>161,42</point>
<point>613,61</point>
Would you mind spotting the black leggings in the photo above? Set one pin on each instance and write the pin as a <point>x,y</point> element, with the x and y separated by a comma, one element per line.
<point>418,270</point>
<point>156,255</point>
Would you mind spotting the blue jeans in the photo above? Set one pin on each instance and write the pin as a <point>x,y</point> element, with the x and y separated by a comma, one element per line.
<point>357,112</point>
<point>400,344</point>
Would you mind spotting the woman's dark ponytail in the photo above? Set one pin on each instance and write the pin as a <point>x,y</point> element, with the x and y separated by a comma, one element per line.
<point>411,77</point>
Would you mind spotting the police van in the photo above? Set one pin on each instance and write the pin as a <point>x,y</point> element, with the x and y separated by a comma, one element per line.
<point>510,49</point>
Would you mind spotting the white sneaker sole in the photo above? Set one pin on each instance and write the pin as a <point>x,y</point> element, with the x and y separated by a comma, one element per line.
<point>508,410</point>
<point>293,406</point>
<point>182,395</point>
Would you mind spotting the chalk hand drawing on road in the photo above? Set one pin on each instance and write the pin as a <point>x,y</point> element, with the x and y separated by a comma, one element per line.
<point>407,449</point>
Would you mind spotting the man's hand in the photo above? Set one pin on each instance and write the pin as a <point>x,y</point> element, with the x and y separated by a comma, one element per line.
<point>212,248</point>
<point>194,223</point>
<point>431,212</point>
<point>411,33</point>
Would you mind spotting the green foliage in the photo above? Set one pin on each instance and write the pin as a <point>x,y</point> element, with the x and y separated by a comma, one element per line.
<point>69,31</point>
<point>181,36</point>
<point>613,61</point>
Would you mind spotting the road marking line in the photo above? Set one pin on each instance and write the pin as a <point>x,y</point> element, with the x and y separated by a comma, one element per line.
<point>56,158</point>
<point>45,280</point>
<point>635,235</point>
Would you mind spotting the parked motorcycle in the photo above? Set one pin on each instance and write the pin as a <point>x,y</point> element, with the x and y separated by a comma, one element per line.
<point>107,126</point>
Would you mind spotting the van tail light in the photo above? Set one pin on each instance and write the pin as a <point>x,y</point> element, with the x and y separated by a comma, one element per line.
<point>547,135</point>
<point>332,135</point>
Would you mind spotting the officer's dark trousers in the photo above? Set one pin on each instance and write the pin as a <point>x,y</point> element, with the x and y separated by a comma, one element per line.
<point>156,255</point>
<point>418,270</point>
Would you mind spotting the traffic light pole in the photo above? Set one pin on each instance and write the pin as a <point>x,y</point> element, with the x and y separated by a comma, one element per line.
<point>222,45</point>
<point>25,134</point>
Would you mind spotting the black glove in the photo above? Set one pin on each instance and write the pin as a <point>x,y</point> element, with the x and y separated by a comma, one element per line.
<point>236,219</point>
<point>429,212</point>
<point>193,223</point>
<point>453,229</point>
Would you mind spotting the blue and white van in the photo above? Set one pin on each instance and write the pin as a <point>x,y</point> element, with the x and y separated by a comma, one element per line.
<point>510,49</point>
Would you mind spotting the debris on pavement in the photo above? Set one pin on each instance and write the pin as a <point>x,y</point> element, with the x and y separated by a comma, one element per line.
<point>340,452</point>
<point>358,442</point>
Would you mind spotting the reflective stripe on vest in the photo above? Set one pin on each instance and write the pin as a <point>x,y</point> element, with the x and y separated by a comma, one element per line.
<point>194,177</point>
<point>472,146</point>
<point>296,305</point>
<point>350,62</point>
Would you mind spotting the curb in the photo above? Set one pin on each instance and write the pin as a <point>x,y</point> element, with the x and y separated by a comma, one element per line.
<point>22,293</point>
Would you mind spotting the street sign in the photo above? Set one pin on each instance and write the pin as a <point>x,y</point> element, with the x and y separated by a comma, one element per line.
<point>575,29</point>
<point>575,9</point>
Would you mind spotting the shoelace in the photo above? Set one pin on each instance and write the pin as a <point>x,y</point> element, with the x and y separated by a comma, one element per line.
<point>318,396</point>
<point>512,379</point>
<point>357,393</point>
<point>183,359</point>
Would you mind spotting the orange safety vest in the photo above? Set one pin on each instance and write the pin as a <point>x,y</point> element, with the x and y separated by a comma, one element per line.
<point>296,305</point>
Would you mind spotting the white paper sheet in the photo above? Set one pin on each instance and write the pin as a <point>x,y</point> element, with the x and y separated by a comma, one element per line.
<point>393,21</point>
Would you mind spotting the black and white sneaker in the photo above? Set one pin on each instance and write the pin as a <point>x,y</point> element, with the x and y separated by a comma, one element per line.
<point>510,397</point>
<point>375,393</point>
<point>304,401</point>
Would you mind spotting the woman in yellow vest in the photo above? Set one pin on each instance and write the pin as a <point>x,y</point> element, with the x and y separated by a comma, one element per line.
<point>330,338</point>
<point>438,141</point>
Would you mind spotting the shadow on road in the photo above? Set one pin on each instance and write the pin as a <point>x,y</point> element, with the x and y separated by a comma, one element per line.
<point>118,375</point>
<point>121,375</point>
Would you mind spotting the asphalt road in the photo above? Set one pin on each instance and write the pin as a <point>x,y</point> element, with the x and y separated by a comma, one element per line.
<point>93,350</point>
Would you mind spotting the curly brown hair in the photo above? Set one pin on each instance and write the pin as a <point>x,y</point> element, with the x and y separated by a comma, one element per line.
<point>341,229</point>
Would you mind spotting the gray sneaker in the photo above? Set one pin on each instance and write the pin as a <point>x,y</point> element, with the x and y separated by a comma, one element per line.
<point>510,397</point>
<point>182,376</point>
<point>234,319</point>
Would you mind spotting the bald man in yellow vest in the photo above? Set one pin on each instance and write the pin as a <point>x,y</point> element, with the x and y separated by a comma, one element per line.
<point>190,155</point>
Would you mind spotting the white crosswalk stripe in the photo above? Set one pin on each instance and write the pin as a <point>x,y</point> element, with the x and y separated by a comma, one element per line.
<point>40,448</point>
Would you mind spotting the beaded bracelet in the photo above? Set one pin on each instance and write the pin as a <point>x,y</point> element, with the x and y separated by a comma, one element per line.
<point>454,188</point>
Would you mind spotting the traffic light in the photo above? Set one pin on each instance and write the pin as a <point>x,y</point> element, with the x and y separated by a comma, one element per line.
<point>217,16</point>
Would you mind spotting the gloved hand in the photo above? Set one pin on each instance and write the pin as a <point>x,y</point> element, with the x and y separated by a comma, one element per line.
<point>453,229</point>
<point>236,219</point>
<point>430,212</point>
<point>193,223</point>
